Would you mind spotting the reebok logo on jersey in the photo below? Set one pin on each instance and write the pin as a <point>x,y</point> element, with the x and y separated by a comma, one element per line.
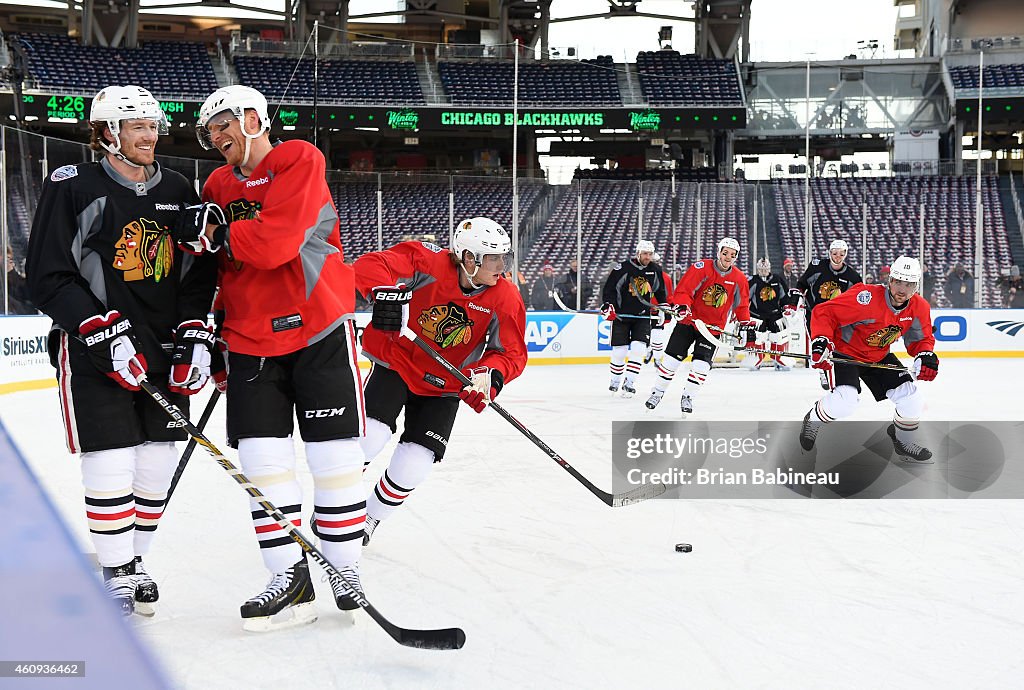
<point>326,412</point>
<point>167,207</point>
<point>483,309</point>
<point>257,182</point>
<point>907,318</point>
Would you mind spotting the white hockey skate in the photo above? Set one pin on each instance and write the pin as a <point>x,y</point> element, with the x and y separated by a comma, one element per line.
<point>627,390</point>
<point>371,524</point>
<point>655,398</point>
<point>686,405</point>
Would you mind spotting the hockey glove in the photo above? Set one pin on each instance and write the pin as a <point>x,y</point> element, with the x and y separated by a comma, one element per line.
<point>219,368</point>
<point>487,383</point>
<point>190,232</point>
<point>821,353</point>
<point>746,331</point>
<point>926,366</point>
<point>113,348</point>
<point>608,309</point>
<point>190,363</point>
<point>390,307</point>
<point>793,299</point>
<point>681,311</point>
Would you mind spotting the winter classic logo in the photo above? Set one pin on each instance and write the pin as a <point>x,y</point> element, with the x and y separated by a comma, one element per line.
<point>542,331</point>
<point>403,119</point>
<point>64,172</point>
<point>864,297</point>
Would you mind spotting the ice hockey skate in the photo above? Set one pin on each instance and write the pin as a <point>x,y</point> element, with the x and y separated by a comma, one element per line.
<point>649,356</point>
<point>613,386</point>
<point>909,452</point>
<point>120,585</point>
<point>779,366</point>
<point>686,405</point>
<point>341,597</point>
<point>655,398</point>
<point>627,390</point>
<point>371,524</point>
<point>146,592</point>
<point>286,602</point>
<point>809,431</point>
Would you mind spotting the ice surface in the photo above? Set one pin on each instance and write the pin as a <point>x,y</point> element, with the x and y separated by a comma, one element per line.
<point>556,590</point>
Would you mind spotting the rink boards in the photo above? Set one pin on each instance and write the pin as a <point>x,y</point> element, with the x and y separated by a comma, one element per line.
<point>551,338</point>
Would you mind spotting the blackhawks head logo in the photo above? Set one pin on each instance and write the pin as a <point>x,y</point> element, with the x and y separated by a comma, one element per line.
<point>884,337</point>
<point>639,287</point>
<point>829,290</point>
<point>241,209</point>
<point>447,325</point>
<point>767,293</point>
<point>714,296</point>
<point>144,251</point>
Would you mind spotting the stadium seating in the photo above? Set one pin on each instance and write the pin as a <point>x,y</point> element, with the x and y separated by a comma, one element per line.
<point>1009,76</point>
<point>167,69</point>
<point>894,221</point>
<point>666,77</point>
<point>377,82</point>
<point>589,82</point>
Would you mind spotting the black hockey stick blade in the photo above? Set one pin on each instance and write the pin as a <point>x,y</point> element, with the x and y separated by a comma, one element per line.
<point>444,638</point>
<point>641,493</point>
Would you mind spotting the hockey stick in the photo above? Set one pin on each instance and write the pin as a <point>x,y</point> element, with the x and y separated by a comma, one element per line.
<point>563,307</point>
<point>445,638</point>
<point>641,493</point>
<point>705,330</point>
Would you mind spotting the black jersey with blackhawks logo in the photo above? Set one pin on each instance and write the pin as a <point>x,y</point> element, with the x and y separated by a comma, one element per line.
<point>767,297</point>
<point>100,241</point>
<point>821,283</point>
<point>631,281</point>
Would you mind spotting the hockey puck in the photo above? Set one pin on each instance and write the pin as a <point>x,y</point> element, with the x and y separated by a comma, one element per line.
<point>684,548</point>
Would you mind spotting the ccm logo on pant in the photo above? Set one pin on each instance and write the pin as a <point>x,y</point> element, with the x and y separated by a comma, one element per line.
<point>328,412</point>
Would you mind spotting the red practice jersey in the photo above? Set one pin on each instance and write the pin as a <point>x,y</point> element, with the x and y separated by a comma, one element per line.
<point>668,286</point>
<point>285,285</point>
<point>485,327</point>
<point>711,295</point>
<point>862,323</point>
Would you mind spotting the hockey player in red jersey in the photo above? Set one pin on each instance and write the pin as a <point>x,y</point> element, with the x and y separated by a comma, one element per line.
<point>459,303</point>
<point>288,301</point>
<point>861,324</point>
<point>710,290</point>
<point>660,321</point>
<point>122,299</point>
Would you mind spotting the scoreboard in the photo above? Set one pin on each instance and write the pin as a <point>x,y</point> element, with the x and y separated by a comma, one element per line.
<point>47,107</point>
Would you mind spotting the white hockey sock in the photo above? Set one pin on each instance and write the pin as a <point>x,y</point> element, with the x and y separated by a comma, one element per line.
<point>409,466</point>
<point>154,466</point>
<point>838,403</point>
<point>270,464</point>
<point>618,362</point>
<point>657,341</point>
<point>110,504</point>
<point>377,436</point>
<point>666,371</point>
<point>338,497</point>
<point>636,358</point>
<point>695,379</point>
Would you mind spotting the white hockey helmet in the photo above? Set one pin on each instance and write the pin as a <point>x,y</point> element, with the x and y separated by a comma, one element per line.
<point>730,243</point>
<point>764,267</point>
<point>235,99</point>
<point>481,236</point>
<point>838,245</point>
<point>905,268</point>
<point>116,103</point>
<point>644,246</point>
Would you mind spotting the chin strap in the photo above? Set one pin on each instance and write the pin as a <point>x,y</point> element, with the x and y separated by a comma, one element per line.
<point>248,149</point>
<point>116,153</point>
<point>462,265</point>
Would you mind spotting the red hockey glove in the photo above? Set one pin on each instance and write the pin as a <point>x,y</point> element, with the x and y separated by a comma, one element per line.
<point>608,309</point>
<point>821,353</point>
<point>681,311</point>
<point>113,348</point>
<point>487,383</point>
<point>926,366</point>
<point>193,351</point>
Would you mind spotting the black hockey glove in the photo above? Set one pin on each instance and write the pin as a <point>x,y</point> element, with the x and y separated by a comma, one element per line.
<point>926,366</point>
<point>821,353</point>
<point>746,331</point>
<point>190,231</point>
<point>390,307</point>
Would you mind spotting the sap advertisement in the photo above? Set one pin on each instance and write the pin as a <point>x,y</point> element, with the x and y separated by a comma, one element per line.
<point>551,338</point>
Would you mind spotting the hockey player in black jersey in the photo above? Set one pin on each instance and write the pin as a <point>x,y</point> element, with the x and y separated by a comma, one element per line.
<point>124,300</point>
<point>767,298</point>
<point>825,279</point>
<point>636,279</point>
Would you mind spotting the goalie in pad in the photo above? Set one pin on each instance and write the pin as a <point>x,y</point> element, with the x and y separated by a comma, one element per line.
<point>862,323</point>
